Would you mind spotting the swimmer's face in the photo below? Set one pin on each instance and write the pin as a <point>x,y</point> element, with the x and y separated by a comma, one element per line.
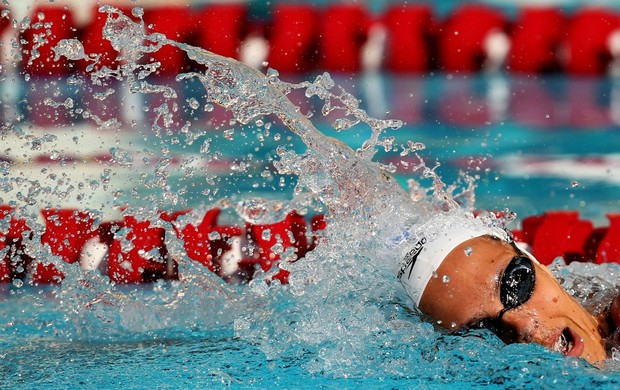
<point>466,293</point>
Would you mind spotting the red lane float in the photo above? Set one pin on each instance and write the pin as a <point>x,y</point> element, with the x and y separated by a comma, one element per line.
<point>136,251</point>
<point>303,37</point>
<point>175,23</point>
<point>207,241</point>
<point>563,234</point>
<point>91,36</point>
<point>5,22</point>
<point>12,257</point>
<point>221,28</point>
<point>66,232</point>
<point>343,33</point>
<point>463,37</point>
<point>536,41</point>
<point>49,26</point>
<point>410,29</point>
<point>287,237</point>
<point>608,248</point>
<point>589,33</point>
<point>293,37</point>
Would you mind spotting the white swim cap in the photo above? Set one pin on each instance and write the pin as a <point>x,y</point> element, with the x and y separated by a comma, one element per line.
<point>422,260</point>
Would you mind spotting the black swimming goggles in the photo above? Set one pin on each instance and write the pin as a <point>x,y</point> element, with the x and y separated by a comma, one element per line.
<point>515,288</point>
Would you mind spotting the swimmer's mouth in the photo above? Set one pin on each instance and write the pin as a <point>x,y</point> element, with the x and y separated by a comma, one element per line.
<point>569,343</point>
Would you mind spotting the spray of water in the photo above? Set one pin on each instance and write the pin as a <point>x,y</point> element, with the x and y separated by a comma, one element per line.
<point>341,295</point>
<point>343,300</point>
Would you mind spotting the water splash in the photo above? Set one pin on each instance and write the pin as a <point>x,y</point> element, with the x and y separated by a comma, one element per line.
<point>347,275</point>
<point>343,302</point>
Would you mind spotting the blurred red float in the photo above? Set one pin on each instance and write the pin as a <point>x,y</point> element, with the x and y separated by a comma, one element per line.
<point>293,38</point>
<point>408,47</point>
<point>536,39</point>
<point>589,32</point>
<point>463,37</point>
<point>221,28</point>
<point>176,23</point>
<point>343,31</point>
<point>49,26</point>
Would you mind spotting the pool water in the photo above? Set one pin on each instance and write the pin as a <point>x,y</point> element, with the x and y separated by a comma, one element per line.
<point>88,334</point>
<point>344,320</point>
<point>45,344</point>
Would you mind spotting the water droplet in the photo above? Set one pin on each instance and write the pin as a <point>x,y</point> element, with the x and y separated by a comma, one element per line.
<point>574,184</point>
<point>266,234</point>
<point>121,157</point>
<point>445,278</point>
<point>138,12</point>
<point>193,103</point>
<point>277,248</point>
<point>468,251</point>
<point>228,134</point>
<point>72,49</point>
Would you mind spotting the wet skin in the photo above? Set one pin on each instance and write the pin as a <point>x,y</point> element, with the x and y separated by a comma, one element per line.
<point>466,291</point>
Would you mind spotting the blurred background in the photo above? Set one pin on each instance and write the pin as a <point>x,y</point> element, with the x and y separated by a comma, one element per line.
<point>523,95</point>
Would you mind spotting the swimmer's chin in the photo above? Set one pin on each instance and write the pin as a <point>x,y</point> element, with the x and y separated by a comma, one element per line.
<point>597,359</point>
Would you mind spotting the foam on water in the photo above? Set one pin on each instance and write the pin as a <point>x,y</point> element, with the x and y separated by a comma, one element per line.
<point>344,314</point>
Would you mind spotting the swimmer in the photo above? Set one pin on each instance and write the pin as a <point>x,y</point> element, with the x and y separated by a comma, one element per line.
<point>472,276</point>
<point>464,274</point>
